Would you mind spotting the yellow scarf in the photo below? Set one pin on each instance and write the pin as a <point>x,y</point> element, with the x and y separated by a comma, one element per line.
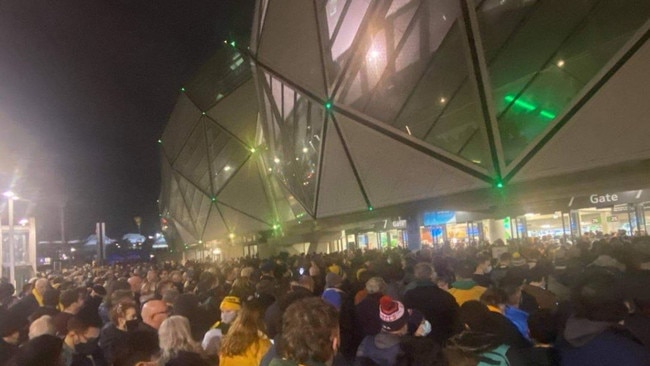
<point>38,297</point>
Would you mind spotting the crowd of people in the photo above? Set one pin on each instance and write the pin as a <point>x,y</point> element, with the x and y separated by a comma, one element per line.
<point>488,304</point>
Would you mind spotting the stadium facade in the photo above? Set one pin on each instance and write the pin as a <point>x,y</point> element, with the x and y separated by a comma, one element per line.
<point>380,123</point>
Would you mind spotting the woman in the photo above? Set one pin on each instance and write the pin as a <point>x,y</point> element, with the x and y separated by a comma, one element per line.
<point>245,344</point>
<point>123,317</point>
<point>176,344</point>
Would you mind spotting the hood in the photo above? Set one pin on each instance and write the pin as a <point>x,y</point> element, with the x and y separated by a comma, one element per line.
<point>579,332</point>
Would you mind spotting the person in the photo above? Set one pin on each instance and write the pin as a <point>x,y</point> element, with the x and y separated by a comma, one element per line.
<point>465,288</point>
<point>10,326</point>
<point>176,344</point>
<point>537,289</point>
<point>512,285</point>
<point>81,344</point>
<point>154,312</point>
<point>124,317</point>
<point>438,306</point>
<point>44,350</point>
<point>482,271</point>
<point>502,268</point>
<point>543,329</point>
<point>494,300</point>
<point>333,292</point>
<point>245,344</point>
<point>592,335</point>
<point>187,305</point>
<point>382,348</point>
<point>139,348</point>
<point>42,325</point>
<point>31,302</point>
<point>71,300</point>
<point>51,302</point>
<point>310,334</point>
<point>367,311</point>
<point>7,297</point>
<point>230,308</point>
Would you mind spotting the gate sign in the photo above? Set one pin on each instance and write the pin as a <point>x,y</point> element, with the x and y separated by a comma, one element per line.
<point>608,199</point>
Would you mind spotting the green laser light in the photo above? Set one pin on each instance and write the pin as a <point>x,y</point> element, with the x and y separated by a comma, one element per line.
<point>328,105</point>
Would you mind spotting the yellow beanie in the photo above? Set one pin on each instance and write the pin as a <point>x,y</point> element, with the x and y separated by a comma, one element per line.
<point>230,303</point>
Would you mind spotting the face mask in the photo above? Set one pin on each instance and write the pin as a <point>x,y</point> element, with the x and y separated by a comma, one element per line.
<point>424,329</point>
<point>488,269</point>
<point>87,348</point>
<point>228,316</point>
<point>132,325</point>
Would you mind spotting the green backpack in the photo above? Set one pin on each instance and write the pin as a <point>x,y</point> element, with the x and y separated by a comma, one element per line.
<point>495,357</point>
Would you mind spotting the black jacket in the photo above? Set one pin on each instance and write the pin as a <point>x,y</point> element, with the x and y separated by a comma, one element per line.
<point>438,306</point>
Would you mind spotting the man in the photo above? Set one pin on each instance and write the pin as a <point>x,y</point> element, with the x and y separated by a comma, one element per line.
<point>501,269</point>
<point>367,311</point>
<point>154,312</point>
<point>333,293</point>
<point>81,344</point>
<point>31,302</point>
<point>10,326</point>
<point>300,289</point>
<point>483,268</point>
<point>310,334</point>
<point>267,267</point>
<point>465,288</point>
<point>438,306</point>
<point>382,348</point>
<point>72,300</point>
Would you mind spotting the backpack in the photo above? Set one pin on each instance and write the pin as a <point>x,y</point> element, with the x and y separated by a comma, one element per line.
<point>495,357</point>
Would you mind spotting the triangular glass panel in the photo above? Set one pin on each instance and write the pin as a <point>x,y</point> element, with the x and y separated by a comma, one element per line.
<point>296,133</point>
<point>245,192</point>
<point>181,123</point>
<point>290,44</point>
<point>539,64</point>
<point>237,112</point>
<point>339,189</point>
<point>240,223</point>
<point>215,228</point>
<point>186,236</point>
<point>444,108</point>
<point>199,203</point>
<point>178,210</point>
<point>406,174</point>
<point>226,155</point>
<point>192,162</point>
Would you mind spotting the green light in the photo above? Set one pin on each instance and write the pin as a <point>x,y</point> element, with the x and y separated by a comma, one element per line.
<point>547,114</point>
<point>276,226</point>
<point>499,185</point>
<point>183,90</point>
<point>233,44</point>
<point>370,208</point>
<point>328,105</point>
<point>520,103</point>
<point>253,150</point>
<point>214,199</point>
<point>159,141</point>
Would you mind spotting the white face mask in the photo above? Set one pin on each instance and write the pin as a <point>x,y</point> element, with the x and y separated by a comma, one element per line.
<point>424,329</point>
<point>488,269</point>
<point>228,316</point>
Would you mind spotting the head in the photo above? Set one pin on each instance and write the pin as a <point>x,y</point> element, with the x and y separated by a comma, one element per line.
<point>175,336</point>
<point>176,276</point>
<point>304,281</point>
<point>598,296</point>
<point>51,297</point>
<point>483,264</point>
<point>375,285</point>
<point>333,280</point>
<point>41,285</point>
<point>152,276</point>
<point>41,326</point>
<point>230,307</point>
<point>44,350</point>
<point>72,300</point>
<point>505,259</point>
<point>465,269</point>
<point>423,272</point>
<point>136,283</point>
<point>444,279</point>
<point>393,315</point>
<point>244,331</point>
<point>82,335</point>
<point>512,286</point>
<point>10,326</point>
<point>154,312</point>
<point>138,349</point>
<point>124,315</point>
<point>310,331</point>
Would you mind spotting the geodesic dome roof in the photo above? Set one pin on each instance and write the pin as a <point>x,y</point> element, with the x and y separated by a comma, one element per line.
<point>375,103</point>
<point>214,179</point>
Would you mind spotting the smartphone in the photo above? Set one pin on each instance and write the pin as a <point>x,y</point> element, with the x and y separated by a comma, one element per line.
<point>301,271</point>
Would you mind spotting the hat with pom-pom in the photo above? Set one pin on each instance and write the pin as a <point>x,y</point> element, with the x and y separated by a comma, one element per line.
<point>392,313</point>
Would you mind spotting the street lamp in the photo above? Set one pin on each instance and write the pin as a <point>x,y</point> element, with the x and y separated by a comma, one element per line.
<point>11,196</point>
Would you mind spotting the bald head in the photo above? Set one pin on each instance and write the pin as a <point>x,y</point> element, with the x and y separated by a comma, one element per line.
<point>136,283</point>
<point>41,286</point>
<point>154,312</point>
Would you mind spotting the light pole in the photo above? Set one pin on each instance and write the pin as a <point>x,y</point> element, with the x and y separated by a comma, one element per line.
<point>11,196</point>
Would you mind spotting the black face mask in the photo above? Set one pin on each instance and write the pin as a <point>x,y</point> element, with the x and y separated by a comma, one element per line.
<point>87,348</point>
<point>132,325</point>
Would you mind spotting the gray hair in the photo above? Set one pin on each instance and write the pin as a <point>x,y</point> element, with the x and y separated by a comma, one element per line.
<point>175,336</point>
<point>41,326</point>
<point>375,285</point>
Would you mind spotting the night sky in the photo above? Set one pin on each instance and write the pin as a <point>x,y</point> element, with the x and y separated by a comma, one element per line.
<point>90,84</point>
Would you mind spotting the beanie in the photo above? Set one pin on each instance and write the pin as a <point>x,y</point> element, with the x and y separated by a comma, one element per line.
<point>332,280</point>
<point>392,314</point>
<point>230,303</point>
